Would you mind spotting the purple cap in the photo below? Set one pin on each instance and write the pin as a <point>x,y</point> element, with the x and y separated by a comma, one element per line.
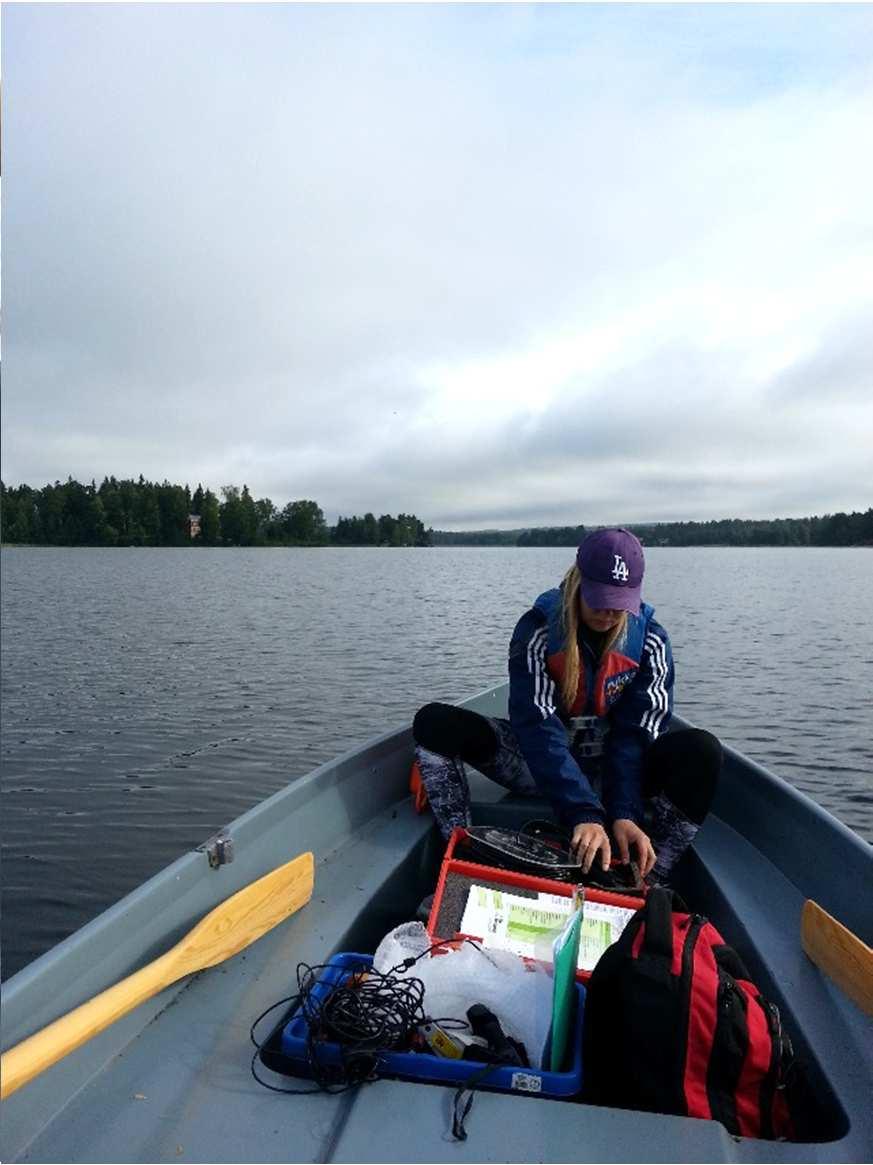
<point>611,563</point>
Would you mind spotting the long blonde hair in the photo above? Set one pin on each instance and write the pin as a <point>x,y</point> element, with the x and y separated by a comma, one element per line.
<point>570,616</point>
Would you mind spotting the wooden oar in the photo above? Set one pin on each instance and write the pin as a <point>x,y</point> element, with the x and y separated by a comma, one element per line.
<point>839,953</point>
<point>227,929</point>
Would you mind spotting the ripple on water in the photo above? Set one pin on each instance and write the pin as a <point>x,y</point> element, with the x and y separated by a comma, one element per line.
<point>150,697</point>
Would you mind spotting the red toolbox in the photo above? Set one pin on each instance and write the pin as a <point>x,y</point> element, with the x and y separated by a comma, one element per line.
<point>458,874</point>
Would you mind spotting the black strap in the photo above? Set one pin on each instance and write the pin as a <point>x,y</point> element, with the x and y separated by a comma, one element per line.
<point>461,1112</point>
<point>658,939</point>
<point>459,1115</point>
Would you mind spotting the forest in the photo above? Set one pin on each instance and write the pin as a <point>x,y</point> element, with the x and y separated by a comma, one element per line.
<point>855,529</point>
<point>145,513</point>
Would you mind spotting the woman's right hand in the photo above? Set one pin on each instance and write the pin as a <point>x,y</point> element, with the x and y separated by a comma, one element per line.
<point>588,840</point>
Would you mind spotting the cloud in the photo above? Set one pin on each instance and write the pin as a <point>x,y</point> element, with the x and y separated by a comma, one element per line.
<point>839,369</point>
<point>475,262</point>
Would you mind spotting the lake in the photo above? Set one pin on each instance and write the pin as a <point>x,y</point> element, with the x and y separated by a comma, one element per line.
<point>151,696</point>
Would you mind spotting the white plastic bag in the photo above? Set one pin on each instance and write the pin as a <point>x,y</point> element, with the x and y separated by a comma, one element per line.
<point>519,993</point>
<point>405,941</point>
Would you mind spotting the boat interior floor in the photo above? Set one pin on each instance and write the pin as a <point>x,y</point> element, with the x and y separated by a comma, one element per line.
<point>182,1089</point>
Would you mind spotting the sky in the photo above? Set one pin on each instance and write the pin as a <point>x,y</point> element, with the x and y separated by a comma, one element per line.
<point>494,265</point>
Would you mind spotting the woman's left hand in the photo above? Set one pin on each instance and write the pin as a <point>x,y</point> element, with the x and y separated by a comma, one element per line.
<point>628,833</point>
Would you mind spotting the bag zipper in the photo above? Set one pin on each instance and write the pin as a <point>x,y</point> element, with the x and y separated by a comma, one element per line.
<point>727,1055</point>
<point>780,1050</point>
<point>692,926</point>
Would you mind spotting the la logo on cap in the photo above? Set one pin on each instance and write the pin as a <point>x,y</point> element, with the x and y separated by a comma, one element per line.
<point>620,571</point>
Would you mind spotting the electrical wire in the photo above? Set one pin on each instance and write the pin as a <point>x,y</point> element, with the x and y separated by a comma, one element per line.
<point>366,1013</point>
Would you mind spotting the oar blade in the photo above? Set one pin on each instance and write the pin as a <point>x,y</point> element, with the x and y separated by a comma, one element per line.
<point>229,928</point>
<point>839,953</point>
<point>247,915</point>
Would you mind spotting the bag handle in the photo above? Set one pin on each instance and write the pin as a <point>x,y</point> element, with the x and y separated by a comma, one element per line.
<point>660,904</point>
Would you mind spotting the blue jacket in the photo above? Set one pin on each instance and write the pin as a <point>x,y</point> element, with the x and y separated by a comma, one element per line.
<point>629,691</point>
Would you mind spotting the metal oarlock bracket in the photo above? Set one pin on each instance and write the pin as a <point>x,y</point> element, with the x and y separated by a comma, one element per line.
<point>218,849</point>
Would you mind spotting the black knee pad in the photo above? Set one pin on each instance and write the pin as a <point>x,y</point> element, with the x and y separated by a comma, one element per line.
<point>685,765</point>
<point>458,732</point>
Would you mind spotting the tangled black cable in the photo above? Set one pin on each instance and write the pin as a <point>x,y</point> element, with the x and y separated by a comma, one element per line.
<point>367,1012</point>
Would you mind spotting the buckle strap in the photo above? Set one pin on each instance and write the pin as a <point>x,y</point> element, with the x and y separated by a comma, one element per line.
<point>587,734</point>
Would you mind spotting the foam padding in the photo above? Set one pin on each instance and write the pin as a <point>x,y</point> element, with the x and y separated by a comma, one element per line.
<point>454,900</point>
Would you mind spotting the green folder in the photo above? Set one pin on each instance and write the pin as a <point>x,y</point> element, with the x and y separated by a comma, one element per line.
<point>565,956</point>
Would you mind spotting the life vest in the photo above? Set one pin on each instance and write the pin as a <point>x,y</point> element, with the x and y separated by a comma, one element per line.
<point>597,690</point>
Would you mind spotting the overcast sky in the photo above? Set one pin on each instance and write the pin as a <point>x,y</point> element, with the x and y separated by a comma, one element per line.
<point>496,265</point>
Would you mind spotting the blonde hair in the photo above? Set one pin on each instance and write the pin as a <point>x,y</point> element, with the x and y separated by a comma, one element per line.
<point>570,615</point>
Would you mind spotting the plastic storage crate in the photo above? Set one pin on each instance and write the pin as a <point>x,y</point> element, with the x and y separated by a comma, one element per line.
<point>422,1066</point>
<point>457,874</point>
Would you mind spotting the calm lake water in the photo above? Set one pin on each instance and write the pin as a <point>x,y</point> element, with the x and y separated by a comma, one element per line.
<point>151,696</point>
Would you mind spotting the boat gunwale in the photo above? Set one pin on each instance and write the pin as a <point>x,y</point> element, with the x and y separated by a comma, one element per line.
<point>388,754</point>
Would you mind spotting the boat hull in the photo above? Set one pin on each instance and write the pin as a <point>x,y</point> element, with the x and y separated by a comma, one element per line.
<point>172,1080</point>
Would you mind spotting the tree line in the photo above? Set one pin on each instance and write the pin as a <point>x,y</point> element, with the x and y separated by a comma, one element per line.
<point>855,529</point>
<point>145,513</point>
<point>478,537</point>
<point>404,530</point>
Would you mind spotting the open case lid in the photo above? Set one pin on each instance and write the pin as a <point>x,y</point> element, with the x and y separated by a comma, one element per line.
<point>541,848</point>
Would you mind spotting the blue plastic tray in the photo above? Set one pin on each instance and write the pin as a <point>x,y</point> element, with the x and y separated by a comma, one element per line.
<point>419,1065</point>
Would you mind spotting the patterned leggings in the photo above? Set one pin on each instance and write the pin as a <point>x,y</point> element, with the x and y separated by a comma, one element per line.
<point>679,779</point>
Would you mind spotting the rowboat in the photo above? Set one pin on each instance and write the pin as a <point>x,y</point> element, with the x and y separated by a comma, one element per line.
<point>171,1081</point>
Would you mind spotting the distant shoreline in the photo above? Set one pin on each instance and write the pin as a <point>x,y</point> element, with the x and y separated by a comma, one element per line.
<point>855,529</point>
<point>436,546</point>
<point>140,513</point>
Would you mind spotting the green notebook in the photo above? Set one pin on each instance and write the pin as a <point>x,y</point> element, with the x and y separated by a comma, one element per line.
<point>565,955</point>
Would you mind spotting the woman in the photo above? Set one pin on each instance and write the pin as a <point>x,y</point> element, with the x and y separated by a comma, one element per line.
<point>590,701</point>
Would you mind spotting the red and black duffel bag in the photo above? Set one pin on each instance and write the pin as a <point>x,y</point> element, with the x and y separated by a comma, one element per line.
<point>674,1024</point>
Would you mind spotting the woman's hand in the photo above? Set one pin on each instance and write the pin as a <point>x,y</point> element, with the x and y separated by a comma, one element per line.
<point>588,840</point>
<point>628,833</point>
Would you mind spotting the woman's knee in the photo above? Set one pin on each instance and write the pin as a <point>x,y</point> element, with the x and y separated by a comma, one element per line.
<point>427,726</point>
<point>685,765</point>
<point>452,731</point>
